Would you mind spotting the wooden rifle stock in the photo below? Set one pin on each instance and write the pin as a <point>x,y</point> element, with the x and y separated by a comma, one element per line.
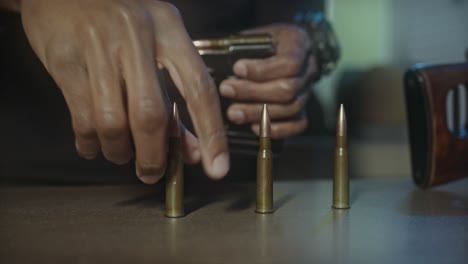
<point>438,155</point>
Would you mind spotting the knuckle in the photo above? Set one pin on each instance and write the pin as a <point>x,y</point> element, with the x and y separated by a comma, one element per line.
<point>288,90</point>
<point>215,136</point>
<point>297,106</point>
<point>133,14</point>
<point>61,60</point>
<point>148,119</point>
<point>111,125</point>
<point>168,9</point>
<point>67,73</point>
<point>103,81</point>
<point>84,130</point>
<point>293,67</point>
<point>128,11</point>
<point>91,34</point>
<point>203,91</point>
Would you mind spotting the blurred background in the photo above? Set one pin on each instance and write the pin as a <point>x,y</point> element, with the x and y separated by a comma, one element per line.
<point>380,39</point>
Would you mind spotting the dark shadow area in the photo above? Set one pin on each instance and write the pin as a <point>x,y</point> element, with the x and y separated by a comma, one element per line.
<point>354,195</point>
<point>198,196</point>
<point>157,200</point>
<point>146,200</point>
<point>196,203</point>
<point>283,200</point>
<point>246,199</point>
<point>434,203</point>
<point>152,199</point>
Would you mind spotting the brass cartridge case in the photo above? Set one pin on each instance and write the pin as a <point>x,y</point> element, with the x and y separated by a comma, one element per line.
<point>175,180</point>
<point>175,170</point>
<point>264,178</point>
<point>340,174</point>
<point>341,179</point>
<point>236,44</point>
<point>264,203</point>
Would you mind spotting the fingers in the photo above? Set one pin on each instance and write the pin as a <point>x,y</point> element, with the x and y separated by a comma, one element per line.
<point>286,128</point>
<point>73,82</point>
<point>108,104</point>
<point>146,108</point>
<point>86,139</point>
<point>190,147</point>
<point>203,105</point>
<point>117,93</point>
<point>293,45</point>
<point>281,90</point>
<point>244,113</point>
<point>277,91</point>
<point>278,66</point>
<point>192,79</point>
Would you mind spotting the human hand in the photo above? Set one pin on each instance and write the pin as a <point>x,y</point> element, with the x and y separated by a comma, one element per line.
<point>278,81</point>
<point>103,54</point>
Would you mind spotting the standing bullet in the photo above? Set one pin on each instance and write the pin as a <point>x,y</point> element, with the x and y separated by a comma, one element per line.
<point>340,176</point>
<point>175,171</point>
<point>264,162</point>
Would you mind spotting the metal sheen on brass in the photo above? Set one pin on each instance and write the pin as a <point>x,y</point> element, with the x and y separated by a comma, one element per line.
<point>227,45</point>
<point>340,173</point>
<point>264,204</point>
<point>175,169</point>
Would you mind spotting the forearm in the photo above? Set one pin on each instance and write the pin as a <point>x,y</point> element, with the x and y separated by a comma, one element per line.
<point>10,5</point>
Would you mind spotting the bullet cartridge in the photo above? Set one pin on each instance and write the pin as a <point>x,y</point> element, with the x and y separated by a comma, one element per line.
<point>264,167</point>
<point>340,174</point>
<point>175,169</point>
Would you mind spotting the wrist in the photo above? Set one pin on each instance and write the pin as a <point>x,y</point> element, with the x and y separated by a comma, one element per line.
<point>325,46</point>
<point>10,5</point>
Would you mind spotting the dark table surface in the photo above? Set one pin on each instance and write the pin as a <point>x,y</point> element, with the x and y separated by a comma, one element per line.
<point>391,221</point>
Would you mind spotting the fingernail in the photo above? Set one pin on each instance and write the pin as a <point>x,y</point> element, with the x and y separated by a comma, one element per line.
<point>236,116</point>
<point>118,159</point>
<point>149,176</point>
<point>240,69</point>
<point>81,153</point>
<point>220,165</point>
<point>122,161</point>
<point>227,90</point>
<point>90,156</point>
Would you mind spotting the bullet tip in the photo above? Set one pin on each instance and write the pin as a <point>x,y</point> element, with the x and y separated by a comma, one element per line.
<point>265,127</point>
<point>174,122</point>
<point>341,122</point>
